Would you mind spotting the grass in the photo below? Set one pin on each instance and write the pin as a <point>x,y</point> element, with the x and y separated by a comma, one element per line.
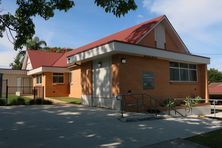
<point>70,100</point>
<point>211,139</point>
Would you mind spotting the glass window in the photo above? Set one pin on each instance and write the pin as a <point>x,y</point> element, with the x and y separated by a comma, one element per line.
<point>148,80</point>
<point>58,78</point>
<point>193,75</point>
<point>183,65</point>
<point>174,74</point>
<point>192,66</point>
<point>174,64</point>
<point>184,75</point>
<point>183,72</point>
<point>38,79</point>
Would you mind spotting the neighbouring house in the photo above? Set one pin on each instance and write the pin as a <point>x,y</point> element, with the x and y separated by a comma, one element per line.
<point>147,58</point>
<point>48,70</point>
<point>16,80</point>
<point>215,90</point>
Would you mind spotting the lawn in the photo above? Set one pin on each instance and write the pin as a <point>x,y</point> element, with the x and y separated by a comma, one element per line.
<point>211,139</point>
<point>70,100</point>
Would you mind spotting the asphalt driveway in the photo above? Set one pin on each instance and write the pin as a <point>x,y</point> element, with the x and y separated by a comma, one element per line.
<point>77,126</point>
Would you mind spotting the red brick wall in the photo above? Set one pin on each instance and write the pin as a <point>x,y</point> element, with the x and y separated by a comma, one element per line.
<point>86,76</point>
<point>130,76</point>
<point>54,90</point>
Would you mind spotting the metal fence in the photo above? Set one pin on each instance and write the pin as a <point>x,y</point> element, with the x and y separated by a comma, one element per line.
<point>145,103</point>
<point>215,105</point>
<point>20,90</point>
<point>34,92</point>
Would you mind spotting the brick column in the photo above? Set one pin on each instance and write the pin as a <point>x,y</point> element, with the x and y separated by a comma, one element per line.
<point>206,85</point>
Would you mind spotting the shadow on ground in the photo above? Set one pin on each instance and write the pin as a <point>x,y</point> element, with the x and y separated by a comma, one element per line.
<point>78,126</point>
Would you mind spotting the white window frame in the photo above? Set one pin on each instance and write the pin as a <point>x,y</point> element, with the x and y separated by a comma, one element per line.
<point>39,79</point>
<point>57,75</point>
<point>180,68</point>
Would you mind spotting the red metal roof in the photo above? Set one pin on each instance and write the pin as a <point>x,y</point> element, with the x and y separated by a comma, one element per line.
<point>215,88</point>
<point>62,61</point>
<point>40,58</point>
<point>129,35</point>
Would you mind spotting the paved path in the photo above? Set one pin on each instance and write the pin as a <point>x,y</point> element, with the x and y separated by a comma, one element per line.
<point>68,126</point>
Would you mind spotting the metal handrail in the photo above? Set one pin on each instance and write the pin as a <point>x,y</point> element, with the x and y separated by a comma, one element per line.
<point>214,101</point>
<point>143,96</point>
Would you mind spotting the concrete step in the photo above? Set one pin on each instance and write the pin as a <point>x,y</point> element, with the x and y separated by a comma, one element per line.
<point>133,117</point>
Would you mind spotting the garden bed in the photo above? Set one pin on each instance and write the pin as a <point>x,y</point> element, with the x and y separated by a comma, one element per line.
<point>22,100</point>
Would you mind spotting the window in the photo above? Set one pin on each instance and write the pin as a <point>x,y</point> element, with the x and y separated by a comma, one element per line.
<point>58,78</point>
<point>148,80</point>
<point>183,72</point>
<point>39,79</point>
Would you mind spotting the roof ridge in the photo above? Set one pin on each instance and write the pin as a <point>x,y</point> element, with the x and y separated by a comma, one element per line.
<point>153,20</point>
<point>58,59</point>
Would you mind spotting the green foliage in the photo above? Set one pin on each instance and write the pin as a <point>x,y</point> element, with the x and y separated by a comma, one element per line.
<point>2,102</point>
<point>188,104</point>
<point>21,23</point>
<point>117,7</point>
<point>35,43</point>
<point>19,100</point>
<point>214,75</point>
<point>16,101</point>
<point>197,100</point>
<point>170,103</point>
<point>70,100</point>
<point>17,63</point>
<point>57,49</point>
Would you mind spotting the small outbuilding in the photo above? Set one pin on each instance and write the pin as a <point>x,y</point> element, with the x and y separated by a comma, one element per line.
<point>215,90</point>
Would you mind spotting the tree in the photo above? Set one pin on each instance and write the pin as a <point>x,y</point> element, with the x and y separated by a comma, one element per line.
<point>18,61</point>
<point>22,25</point>
<point>35,43</point>
<point>57,49</point>
<point>214,75</point>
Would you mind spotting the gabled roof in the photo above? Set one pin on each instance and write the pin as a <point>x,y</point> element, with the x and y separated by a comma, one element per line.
<point>62,61</point>
<point>129,35</point>
<point>40,58</point>
<point>215,88</point>
<point>132,35</point>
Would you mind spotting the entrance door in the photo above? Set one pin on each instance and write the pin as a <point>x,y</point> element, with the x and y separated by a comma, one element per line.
<point>102,78</point>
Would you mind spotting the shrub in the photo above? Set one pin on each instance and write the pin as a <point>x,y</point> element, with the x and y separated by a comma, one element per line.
<point>47,102</point>
<point>170,103</point>
<point>20,101</point>
<point>197,100</point>
<point>17,101</point>
<point>188,104</point>
<point>40,101</point>
<point>2,102</point>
